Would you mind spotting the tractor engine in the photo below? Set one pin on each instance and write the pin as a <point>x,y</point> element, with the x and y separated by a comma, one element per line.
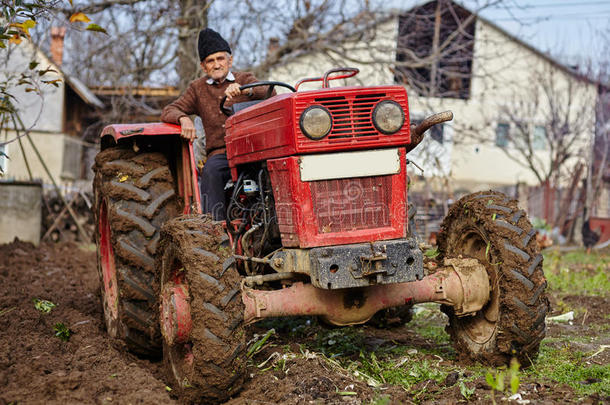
<point>251,217</point>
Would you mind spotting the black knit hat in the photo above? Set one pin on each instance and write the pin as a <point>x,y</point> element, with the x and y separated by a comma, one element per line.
<point>211,42</point>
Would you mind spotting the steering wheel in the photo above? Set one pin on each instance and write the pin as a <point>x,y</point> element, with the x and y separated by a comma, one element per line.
<point>228,112</point>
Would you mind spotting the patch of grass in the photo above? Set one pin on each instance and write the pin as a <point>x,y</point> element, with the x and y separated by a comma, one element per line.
<point>580,257</point>
<point>88,247</point>
<point>577,282</point>
<point>383,400</point>
<point>297,326</point>
<point>406,372</point>
<point>600,328</point>
<point>340,342</point>
<point>430,331</point>
<point>568,366</point>
<point>429,322</point>
<point>577,272</point>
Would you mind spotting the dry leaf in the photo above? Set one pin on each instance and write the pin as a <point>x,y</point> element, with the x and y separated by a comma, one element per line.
<point>79,17</point>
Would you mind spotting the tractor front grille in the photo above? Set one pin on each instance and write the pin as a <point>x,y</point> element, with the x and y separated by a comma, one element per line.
<point>351,116</point>
<point>352,204</point>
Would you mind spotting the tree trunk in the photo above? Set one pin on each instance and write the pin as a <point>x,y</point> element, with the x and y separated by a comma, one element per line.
<point>193,18</point>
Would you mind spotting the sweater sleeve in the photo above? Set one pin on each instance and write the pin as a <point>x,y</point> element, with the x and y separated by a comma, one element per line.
<point>185,105</point>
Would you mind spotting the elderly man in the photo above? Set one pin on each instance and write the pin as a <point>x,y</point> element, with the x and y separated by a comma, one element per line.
<point>202,97</point>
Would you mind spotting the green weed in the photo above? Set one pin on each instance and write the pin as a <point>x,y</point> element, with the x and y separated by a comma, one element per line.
<point>295,326</point>
<point>465,391</point>
<point>62,331</point>
<point>408,372</point>
<point>432,253</point>
<point>43,306</point>
<point>496,381</point>
<point>258,345</point>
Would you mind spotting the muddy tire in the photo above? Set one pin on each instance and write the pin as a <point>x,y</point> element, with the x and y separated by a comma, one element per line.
<point>205,352</point>
<point>491,228</point>
<point>134,196</point>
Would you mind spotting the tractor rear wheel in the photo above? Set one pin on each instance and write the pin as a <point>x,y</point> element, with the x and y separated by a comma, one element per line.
<point>201,314</point>
<point>490,227</point>
<point>134,196</point>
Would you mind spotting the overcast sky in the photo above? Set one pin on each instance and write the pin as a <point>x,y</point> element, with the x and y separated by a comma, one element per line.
<point>569,29</point>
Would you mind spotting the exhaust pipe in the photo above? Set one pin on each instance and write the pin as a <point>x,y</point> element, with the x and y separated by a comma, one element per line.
<point>417,132</point>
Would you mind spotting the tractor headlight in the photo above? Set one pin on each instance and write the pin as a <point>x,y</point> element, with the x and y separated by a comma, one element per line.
<point>388,117</point>
<point>316,122</point>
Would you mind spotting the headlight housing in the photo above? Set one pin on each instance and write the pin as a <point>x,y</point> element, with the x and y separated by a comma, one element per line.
<point>316,122</point>
<point>388,117</point>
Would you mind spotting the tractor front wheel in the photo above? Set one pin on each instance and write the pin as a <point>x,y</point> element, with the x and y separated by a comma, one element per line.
<point>201,312</point>
<point>489,227</point>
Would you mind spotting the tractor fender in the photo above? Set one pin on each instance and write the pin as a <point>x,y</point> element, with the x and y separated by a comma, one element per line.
<point>187,171</point>
<point>122,131</point>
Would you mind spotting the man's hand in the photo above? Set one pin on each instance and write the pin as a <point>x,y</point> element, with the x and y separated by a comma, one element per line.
<point>188,129</point>
<point>232,91</point>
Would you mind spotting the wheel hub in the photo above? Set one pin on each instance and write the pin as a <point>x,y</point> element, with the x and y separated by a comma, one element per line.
<point>110,297</point>
<point>482,326</point>
<point>176,321</point>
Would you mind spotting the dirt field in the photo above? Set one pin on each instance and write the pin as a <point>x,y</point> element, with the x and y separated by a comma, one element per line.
<point>301,362</point>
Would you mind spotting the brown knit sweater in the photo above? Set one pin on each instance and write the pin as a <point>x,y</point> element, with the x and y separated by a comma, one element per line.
<point>203,99</point>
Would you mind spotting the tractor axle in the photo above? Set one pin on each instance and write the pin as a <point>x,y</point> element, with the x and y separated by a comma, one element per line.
<point>461,283</point>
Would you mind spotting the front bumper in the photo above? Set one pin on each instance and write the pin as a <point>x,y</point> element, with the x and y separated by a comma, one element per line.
<point>355,265</point>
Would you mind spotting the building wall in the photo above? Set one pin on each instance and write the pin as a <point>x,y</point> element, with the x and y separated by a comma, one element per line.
<point>20,205</point>
<point>43,111</point>
<point>507,75</point>
<point>51,147</point>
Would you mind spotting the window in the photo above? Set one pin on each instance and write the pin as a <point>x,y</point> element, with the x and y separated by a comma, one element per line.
<point>539,138</point>
<point>71,160</point>
<point>502,135</point>
<point>424,29</point>
<point>3,159</point>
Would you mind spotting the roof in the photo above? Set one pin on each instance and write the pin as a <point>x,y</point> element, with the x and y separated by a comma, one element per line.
<point>151,91</point>
<point>83,91</point>
<point>75,84</point>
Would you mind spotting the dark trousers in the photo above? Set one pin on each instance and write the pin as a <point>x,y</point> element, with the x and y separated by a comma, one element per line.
<point>214,177</point>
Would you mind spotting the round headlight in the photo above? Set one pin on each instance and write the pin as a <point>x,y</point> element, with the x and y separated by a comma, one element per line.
<point>388,117</point>
<point>316,122</point>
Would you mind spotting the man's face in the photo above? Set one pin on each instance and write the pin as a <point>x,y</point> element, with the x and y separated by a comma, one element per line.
<point>217,65</point>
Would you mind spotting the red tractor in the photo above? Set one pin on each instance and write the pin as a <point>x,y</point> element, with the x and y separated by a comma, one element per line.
<point>317,224</point>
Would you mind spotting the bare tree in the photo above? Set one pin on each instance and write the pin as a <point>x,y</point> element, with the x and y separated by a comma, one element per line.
<point>193,17</point>
<point>549,124</point>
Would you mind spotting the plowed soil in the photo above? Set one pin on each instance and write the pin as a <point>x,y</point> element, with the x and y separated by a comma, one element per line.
<point>37,367</point>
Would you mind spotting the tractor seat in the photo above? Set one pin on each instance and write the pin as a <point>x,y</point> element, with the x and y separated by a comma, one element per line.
<point>237,107</point>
